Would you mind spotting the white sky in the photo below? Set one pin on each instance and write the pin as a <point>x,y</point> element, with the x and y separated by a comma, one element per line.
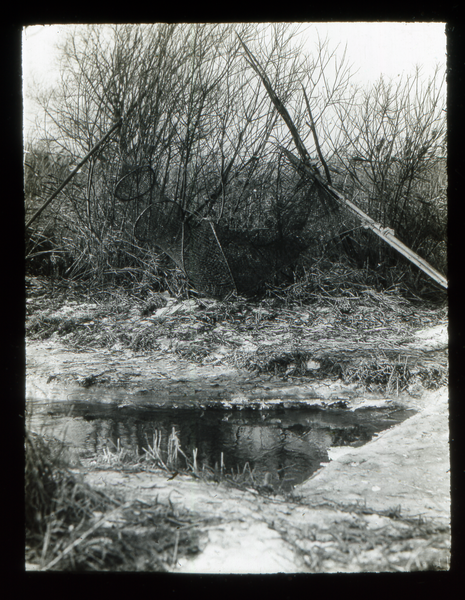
<point>392,49</point>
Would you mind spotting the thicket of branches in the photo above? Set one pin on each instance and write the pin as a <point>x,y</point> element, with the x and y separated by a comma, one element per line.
<point>390,149</point>
<point>195,111</point>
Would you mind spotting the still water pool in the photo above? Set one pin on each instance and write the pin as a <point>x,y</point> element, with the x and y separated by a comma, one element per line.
<point>281,447</point>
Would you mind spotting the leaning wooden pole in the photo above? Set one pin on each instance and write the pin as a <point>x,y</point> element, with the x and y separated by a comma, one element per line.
<point>71,175</point>
<point>385,233</point>
<point>304,164</point>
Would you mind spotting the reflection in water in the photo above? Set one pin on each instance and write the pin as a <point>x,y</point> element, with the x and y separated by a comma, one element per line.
<point>282,447</point>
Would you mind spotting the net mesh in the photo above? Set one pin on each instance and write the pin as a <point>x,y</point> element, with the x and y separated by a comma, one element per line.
<point>161,224</point>
<point>219,259</point>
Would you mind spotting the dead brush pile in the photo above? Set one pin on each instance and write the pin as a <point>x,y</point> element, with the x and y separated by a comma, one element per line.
<point>332,325</point>
<point>328,324</point>
<point>72,527</point>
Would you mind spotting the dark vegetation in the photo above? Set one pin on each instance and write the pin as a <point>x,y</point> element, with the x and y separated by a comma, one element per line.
<point>196,113</point>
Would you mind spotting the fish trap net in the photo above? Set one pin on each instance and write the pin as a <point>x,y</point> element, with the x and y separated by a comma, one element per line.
<point>219,260</point>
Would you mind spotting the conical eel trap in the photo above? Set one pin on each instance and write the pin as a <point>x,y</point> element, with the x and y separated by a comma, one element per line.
<point>217,260</point>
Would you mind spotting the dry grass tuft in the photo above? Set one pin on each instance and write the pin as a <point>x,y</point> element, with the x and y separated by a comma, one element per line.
<point>71,527</point>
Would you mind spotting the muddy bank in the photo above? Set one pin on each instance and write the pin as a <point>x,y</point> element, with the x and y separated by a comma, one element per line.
<point>165,350</point>
<point>405,466</point>
<point>384,506</point>
<point>56,371</point>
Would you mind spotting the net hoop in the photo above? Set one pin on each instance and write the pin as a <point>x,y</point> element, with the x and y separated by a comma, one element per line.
<point>139,223</point>
<point>135,184</point>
